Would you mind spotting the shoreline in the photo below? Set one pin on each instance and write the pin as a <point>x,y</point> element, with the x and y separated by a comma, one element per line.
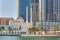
<point>24,35</point>
<point>40,35</point>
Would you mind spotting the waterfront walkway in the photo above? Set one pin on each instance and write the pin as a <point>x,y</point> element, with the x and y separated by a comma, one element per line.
<point>10,33</point>
<point>18,33</point>
<point>41,35</point>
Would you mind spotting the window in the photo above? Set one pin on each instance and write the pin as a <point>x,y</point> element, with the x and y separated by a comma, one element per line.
<point>32,8</point>
<point>17,29</point>
<point>59,18</point>
<point>29,32</point>
<point>36,1</point>
<point>7,22</point>
<point>20,28</point>
<point>23,32</point>
<point>36,8</point>
<point>55,17</point>
<point>32,1</point>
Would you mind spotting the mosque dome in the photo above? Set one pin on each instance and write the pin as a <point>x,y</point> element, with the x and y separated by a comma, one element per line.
<point>20,19</point>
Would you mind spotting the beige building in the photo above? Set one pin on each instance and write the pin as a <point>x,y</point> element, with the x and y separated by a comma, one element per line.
<point>5,21</point>
<point>36,10</point>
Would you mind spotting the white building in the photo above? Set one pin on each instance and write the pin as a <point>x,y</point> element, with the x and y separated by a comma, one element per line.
<point>19,23</point>
<point>47,25</point>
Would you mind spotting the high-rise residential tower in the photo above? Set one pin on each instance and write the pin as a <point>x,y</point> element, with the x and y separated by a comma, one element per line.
<point>52,10</point>
<point>36,10</point>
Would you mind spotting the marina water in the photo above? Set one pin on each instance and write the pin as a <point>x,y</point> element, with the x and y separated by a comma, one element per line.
<point>27,38</point>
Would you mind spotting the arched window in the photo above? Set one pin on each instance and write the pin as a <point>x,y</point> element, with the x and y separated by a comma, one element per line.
<point>20,27</point>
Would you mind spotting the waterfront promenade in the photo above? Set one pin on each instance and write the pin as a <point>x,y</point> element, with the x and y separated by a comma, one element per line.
<point>10,33</point>
<point>18,33</point>
<point>40,35</point>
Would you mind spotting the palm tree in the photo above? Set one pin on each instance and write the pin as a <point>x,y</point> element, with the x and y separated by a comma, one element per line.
<point>20,28</point>
<point>41,28</point>
<point>54,28</point>
<point>32,29</point>
<point>2,28</point>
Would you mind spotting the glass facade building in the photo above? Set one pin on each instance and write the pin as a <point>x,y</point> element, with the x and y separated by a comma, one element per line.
<point>52,12</point>
<point>22,8</point>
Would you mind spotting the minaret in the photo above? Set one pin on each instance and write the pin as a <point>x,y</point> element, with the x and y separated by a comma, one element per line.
<point>27,20</point>
<point>31,15</point>
<point>26,14</point>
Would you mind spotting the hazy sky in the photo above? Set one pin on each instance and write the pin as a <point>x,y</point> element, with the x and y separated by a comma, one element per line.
<point>8,8</point>
<point>0,7</point>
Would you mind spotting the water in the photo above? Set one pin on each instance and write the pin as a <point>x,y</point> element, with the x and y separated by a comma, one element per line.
<point>26,38</point>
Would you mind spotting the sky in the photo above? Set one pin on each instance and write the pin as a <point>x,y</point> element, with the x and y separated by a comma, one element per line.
<point>8,8</point>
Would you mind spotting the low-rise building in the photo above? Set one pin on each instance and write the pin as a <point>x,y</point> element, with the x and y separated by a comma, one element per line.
<point>20,25</point>
<point>5,21</point>
<point>47,25</point>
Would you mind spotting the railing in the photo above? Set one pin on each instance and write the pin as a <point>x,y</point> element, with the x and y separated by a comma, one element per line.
<point>10,33</point>
<point>15,33</point>
<point>46,33</point>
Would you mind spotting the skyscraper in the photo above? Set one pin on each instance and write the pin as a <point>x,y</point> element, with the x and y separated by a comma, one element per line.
<point>50,13</point>
<point>52,10</point>
<point>22,8</point>
<point>36,10</point>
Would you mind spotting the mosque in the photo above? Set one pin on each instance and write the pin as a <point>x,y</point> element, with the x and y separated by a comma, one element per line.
<point>19,23</point>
